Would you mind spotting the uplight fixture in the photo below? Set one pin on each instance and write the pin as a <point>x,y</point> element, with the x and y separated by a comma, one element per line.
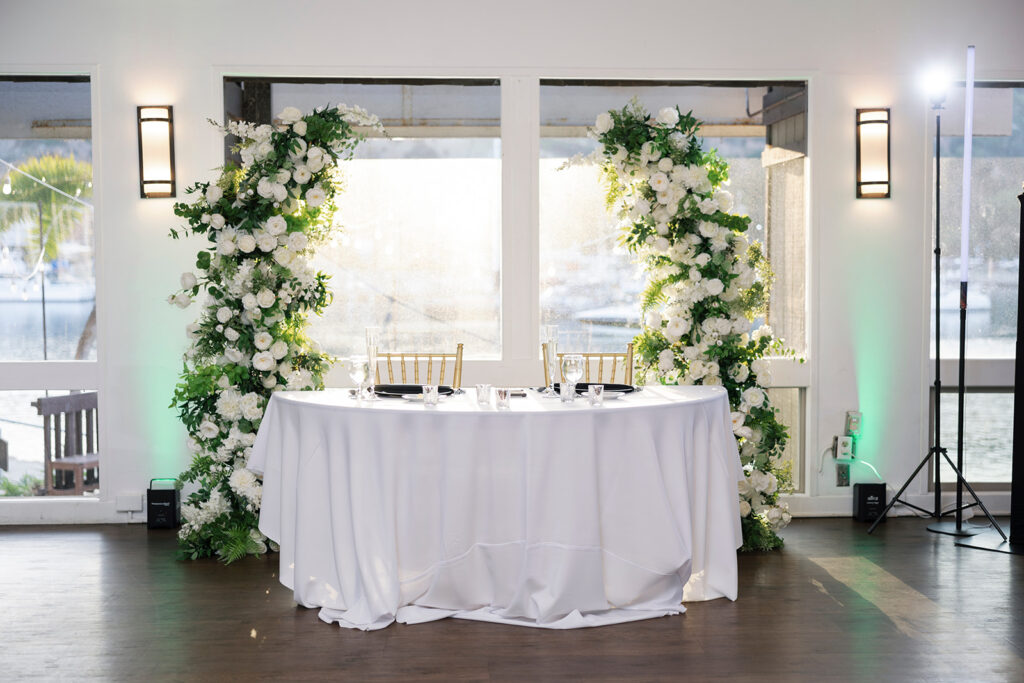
<point>873,181</point>
<point>156,151</point>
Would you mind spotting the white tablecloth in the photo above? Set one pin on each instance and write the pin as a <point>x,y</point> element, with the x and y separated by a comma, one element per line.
<point>547,514</point>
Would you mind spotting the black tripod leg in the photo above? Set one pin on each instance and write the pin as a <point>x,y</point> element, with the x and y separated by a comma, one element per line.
<point>960,478</point>
<point>896,498</point>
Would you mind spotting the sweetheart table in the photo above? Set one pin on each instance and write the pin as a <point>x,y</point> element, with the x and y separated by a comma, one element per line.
<point>545,514</point>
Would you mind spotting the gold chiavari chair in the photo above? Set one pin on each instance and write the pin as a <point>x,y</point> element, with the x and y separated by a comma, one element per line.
<point>410,364</point>
<point>599,361</point>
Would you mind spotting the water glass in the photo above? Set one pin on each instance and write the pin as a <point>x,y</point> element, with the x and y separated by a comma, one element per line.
<point>358,370</point>
<point>595,394</point>
<point>572,368</point>
<point>549,340</point>
<point>502,397</point>
<point>430,394</point>
<point>566,392</point>
<point>483,394</point>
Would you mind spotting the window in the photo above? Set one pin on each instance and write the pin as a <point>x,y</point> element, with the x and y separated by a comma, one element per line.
<point>988,436</point>
<point>589,285</point>
<point>419,253</point>
<point>47,278</point>
<point>997,170</point>
<point>47,240</point>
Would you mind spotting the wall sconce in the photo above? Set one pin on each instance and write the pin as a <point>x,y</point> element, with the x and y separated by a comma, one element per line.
<point>156,152</point>
<point>873,154</point>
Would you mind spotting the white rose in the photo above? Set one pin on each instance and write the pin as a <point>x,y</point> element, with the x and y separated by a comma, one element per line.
<point>668,116</point>
<point>714,287</point>
<point>774,516</point>
<point>208,429</point>
<point>661,244</point>
<point>263,340</point>
<point>604,123</point>
<point>246,243</point>
<point>192,330</point>
<point>182,300</point>
<point>283,257</point>
<point>301,175</point>
<point>265,298</point>
<point>315,196</point>
<point>249,301</point>
<point>282,176</point>
<point>772,485</point>
<point>217,221</point>
<point>280,192</point>
<point>233,354</point>
<point>708,206</point>
<point>268,382</point>
<point>213,194</point>
<point>204,219</point>
<point>279,349</point>
<point>289,115</point>
<point>265,188</point>
<point>297,241</point>
<point>666,360</point>
<point>739,372</point>
<point>231,334</point>
<point>264,361</point>
<point>702,259</point>
<point>665,165</point>
<point>266,242</point>
<point>276,225</point>
<point>754,397</point>
<point>653,319</point>
<point>744,508</point>
<point>299,127</point>
<point>761,368</point>
<point>659,182</point>
<point>724,199</point>
<point>188,280</point>
<point>223,314</point>
<point>676,328</point>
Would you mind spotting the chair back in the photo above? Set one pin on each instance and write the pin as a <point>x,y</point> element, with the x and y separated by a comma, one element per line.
<point>594,365</point>
<point>418,368</point>
<point>70,435</point>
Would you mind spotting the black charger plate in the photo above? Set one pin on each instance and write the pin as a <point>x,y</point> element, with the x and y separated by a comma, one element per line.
<point>581,387</point>
<point>400,390</point>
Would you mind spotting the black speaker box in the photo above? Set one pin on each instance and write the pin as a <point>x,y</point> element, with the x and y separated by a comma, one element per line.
<point>163,508</point>
<point>868,502</point>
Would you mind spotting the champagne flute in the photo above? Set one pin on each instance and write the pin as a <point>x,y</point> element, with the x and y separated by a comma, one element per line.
<point>359,370</point>
<point>372,345</point>
<point>549,338</point>
<point>572,370</point>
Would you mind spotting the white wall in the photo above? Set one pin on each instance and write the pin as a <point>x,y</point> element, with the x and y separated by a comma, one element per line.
<point>869,258</point>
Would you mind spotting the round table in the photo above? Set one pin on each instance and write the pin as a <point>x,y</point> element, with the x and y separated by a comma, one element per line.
<point>545,514</point>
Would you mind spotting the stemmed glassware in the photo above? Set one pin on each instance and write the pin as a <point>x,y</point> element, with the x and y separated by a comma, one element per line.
<point>372,344</point>
<point>549,338</point>
<point>359,370</point>
<point>572,371</point>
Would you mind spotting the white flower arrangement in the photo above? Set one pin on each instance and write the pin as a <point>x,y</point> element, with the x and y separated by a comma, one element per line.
<point>706,282</point>
<point>260,221</point>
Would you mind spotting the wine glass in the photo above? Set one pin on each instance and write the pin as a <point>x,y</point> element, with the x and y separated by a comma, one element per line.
<point>549,339</point>
<point>572,370</point>
<point>372,344</point>
<point>359,370</point>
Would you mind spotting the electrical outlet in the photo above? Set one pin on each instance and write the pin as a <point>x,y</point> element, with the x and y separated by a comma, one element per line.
<point>844,447</point>
<point>853,423</point>
<point>842,474</point>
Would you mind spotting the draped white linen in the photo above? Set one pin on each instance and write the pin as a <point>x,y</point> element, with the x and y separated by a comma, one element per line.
<point>547,514</point>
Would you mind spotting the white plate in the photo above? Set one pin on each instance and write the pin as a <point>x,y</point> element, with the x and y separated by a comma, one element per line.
<point>611,395</point>
<point>418,398</point>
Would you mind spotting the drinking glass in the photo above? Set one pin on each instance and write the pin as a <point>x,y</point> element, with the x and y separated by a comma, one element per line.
<point>430,394</point>
<point>549,338</point>
<point>572,369</point>
<point>502,397</point>
<point>566,392</point>
<point>595,394</point>
<point>358,370</point>
<point>372,344</point>
<point>483,394</point>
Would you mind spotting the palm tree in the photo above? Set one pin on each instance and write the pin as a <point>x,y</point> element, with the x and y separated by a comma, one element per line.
<point>52,214</point>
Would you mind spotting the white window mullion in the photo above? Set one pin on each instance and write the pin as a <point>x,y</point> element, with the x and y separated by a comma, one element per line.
<point>520,271</point>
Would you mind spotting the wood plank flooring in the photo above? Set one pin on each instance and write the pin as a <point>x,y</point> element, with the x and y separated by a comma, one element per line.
<point>111,603</point>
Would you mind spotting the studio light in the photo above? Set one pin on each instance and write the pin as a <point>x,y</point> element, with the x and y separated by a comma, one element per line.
<point>873,180</point>
<point>156,151</point>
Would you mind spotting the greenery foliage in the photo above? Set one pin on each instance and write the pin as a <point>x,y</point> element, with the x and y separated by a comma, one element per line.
<point>260,222</point>
<point>706,284</point>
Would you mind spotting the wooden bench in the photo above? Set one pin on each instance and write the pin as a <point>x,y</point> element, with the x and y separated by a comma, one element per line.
<point>70,461</point>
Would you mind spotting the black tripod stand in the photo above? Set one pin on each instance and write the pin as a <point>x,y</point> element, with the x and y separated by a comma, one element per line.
<point>956,528</point>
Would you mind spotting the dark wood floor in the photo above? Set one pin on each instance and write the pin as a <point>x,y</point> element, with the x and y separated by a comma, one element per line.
<point>111,603</point>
